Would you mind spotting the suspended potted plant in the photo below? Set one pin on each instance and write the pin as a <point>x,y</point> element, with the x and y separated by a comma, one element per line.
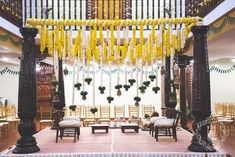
<point>72,107</point>
<point>155,89</point>
<point>146,83</point>
<point>88,80</point>
<point>83,94</point>
<point>126,87</point>
<point>131,81</point>
<point>137,100</point>
<point>102,89</point>
<point>142,89</point>
<point>110,99</point>
<point>93,110</point>
<point>152,77</point>
<point>78,86</point>
<point>118,87</point>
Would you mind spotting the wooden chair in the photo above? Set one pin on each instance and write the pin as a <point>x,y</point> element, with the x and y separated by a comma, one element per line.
<point>168,124</point>
<point>46,116</point>
<point>119,113</point>
<point>89,118</point>
<point>104,114</point>
<point>147,109</point>
<point>134,114</point>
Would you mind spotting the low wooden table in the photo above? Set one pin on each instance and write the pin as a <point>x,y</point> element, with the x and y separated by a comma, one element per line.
<point>100,127</point>
<point>129,126</point>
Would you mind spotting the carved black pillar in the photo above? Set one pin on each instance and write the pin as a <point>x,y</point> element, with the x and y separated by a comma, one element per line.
<point>167,79</point>
<point>201,103</point>
<point>183,61</point>
<point>61,85</point>
<point>27,94</point>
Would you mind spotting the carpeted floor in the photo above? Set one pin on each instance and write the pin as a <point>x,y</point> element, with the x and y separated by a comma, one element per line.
<point>114,141</point>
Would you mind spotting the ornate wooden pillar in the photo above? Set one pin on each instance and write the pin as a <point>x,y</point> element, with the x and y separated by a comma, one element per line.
<point>201,103</point>
<point>167,87</point>
<point>183,61</point>
<point>27,94</point>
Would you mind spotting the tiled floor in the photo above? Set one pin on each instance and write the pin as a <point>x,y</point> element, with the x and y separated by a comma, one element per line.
<point>87,140</point>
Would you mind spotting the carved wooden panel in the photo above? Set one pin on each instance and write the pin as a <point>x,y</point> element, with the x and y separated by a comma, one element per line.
<point>44,87</point>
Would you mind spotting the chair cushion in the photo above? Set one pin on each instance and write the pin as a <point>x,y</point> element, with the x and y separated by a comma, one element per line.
<point>69,123</point>
<point>164,123</point>
<point>154,119</point>
<point>71,118</point>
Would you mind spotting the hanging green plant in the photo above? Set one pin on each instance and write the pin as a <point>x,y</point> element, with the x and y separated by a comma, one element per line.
<point>83,94</point>
<point>155,89</point>
<point>142,89</point>
<point>93,110</point>
<point>110,99</point>
<point>152,77</point>
<point>88,80</point>
<point>72,107</point>
<point>102,89</point>
<point>126,87</point>
<point>137,100</point>
<point>131,81</point>
<point>146,83</point>
<point>78,85</point>
<point>118,86</point>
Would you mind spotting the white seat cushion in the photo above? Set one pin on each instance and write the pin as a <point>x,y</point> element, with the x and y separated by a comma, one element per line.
<point>164,123</point>
<point>71,118</point>
<point>69,123</point>
<point>154,119</point>
<point>129,124</point>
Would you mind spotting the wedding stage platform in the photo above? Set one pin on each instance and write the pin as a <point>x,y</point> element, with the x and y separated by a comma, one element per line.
<point>114,144</point>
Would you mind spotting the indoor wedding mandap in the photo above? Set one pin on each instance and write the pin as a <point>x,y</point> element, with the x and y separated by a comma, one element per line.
<point>117,78</point>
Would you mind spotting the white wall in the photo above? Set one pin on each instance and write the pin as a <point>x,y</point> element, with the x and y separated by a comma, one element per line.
<point>9,83</point>
<point>222,85</point>
<point>127,97</point>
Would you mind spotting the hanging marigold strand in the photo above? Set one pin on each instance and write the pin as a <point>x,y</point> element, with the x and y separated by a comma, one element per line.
<point>112,43</point>
<point>50,43</point>
<point>62,36</point>
<point>42,39</point>
<point>101,34</point>
<point>178,39</point>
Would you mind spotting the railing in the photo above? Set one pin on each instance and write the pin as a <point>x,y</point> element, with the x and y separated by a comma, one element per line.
<point>11,10</point>
<point>201,7</point>
<point>103,9</point>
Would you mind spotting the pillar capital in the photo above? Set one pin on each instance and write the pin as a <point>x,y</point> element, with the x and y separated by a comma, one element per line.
<point>29,32</point>
<point>200,30</point>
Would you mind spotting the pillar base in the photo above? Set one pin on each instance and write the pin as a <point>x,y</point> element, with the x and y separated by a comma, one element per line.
<point>201,146</point>
<point>26,145</point>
